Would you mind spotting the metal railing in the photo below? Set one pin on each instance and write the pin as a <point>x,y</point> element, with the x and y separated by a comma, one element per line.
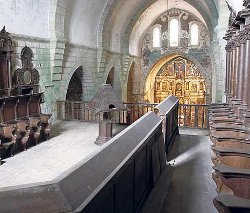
<point>190,115</point>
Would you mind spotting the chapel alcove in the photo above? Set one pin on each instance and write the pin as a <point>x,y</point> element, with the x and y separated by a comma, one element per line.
<point>75,91</point>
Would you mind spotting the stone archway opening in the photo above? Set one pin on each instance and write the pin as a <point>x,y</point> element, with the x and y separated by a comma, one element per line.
<point>110,78</point>
<point>130,95</point>
<point>75,88</point>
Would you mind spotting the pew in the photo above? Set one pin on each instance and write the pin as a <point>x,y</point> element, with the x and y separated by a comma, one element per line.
<point>226,126</point>
<point>224,119</point>
<point>39,122</point>
<point>235,179</point>
<point>8,124</point>
<point>22,120</point>
<point>229,203</point>
<point>232,143</point>
<point>22,124</point>
<point>227,135</point>
<point>238,158</point>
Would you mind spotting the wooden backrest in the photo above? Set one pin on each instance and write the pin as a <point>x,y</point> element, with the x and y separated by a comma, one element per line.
<point>22,109</point>
<point>9,109</point>
<point>34,104</point>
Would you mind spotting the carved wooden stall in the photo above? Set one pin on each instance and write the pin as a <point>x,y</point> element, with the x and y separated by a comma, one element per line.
<point>21,122</point>
<point>231,159</point>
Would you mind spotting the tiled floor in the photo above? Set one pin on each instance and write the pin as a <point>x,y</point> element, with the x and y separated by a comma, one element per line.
<point>191,188</point>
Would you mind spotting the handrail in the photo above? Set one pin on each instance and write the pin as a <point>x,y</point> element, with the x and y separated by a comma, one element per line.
<point>189,115</point>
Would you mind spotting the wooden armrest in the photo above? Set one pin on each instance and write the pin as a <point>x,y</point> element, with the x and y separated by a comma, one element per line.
<point>230,203</point>
<point>236,179</point>
<point>45,118</point>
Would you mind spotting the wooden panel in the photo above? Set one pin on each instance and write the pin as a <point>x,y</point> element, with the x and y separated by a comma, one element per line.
<point>9,109</point>
<point>22,106</point>
<point>124,189</point>
<point>140,177</point>
<point>34,104</point>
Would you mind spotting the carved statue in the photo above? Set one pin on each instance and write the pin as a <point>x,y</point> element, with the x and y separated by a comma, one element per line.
<point>232,14</point>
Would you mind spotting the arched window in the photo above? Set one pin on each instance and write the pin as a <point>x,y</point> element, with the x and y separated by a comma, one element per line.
<point>174,33</point>
<point>194,34</point>
<point>156,37</point>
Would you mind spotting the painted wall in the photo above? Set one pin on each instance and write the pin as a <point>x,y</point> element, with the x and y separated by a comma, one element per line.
<point>26,17</point>
<point>82,19</point>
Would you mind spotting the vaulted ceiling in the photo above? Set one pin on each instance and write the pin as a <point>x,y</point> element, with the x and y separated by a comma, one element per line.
<point>120,24</point>
<point>115,25</point>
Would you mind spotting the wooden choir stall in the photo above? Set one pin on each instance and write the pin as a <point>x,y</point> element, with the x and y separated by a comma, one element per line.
<point>22,124</point>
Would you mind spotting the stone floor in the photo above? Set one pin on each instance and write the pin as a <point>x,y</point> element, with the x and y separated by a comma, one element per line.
<point>191,188</point>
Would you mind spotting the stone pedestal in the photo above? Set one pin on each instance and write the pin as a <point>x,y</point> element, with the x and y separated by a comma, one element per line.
<point>105,132</point>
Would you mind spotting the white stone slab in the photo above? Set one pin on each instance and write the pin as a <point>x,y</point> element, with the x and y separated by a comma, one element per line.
<point>48,160</point>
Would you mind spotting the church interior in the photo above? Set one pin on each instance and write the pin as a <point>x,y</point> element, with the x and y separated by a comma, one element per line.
<point>111,106</point>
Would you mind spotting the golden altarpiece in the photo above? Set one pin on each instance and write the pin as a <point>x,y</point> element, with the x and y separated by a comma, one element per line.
<point>181,78</point>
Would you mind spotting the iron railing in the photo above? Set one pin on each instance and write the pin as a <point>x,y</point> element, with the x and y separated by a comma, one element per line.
<point>189,115</point>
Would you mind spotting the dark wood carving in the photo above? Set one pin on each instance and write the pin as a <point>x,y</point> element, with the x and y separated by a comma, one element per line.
<point>21,123</point>
<point>5,58</point>
<point>26,79</point>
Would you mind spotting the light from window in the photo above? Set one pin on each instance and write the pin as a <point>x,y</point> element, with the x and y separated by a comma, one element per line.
<point>174,33</point>
<point>156,37</point>
<point>194,34</point>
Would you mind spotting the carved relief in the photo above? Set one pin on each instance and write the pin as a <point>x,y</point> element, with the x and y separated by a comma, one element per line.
<point>27,77</point>
<point>5,61</point>
<point>181,78</point>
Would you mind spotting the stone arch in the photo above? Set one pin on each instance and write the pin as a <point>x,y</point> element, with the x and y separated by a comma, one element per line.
<point>151,72</point>
<point>57,18</point>
<point>75,87</point>
<point>106,11</point>
<point>129,82</point>
<point>110,77</point>
<point>114,62</point>
<point>88,82</point>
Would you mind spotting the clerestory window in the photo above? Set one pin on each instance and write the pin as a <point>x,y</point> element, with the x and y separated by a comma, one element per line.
<point>156,37</point>
<point>194,35</point>
<point>174,32</point>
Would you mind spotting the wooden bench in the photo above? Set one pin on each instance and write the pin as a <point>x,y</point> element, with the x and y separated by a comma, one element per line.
<point>232,143</point>
<point>226,203</point>
<point>239,158</point>
<point>232,180</point>
<point>228,135</point>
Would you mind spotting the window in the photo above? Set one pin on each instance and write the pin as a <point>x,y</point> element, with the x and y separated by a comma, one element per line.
<point>174,33</point>
<point>194,34</point>
<point>156,37</point>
